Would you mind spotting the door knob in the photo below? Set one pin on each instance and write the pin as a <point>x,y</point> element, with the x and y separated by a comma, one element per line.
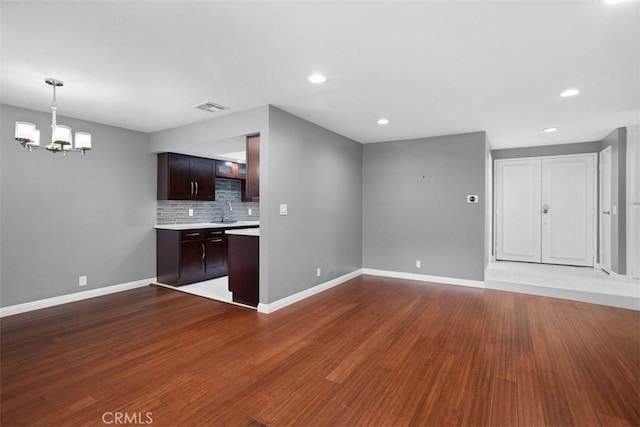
<point>606,212</point>
<point>545,209</point>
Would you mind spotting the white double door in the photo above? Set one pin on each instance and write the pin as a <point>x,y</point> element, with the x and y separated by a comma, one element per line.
<point>545,209</point>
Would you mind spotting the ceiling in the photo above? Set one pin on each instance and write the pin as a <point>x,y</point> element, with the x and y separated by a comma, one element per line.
<point>430,67</point>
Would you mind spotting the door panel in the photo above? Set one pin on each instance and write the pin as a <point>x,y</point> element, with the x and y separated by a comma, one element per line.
<point>518,210</point>
<point>567,197</point>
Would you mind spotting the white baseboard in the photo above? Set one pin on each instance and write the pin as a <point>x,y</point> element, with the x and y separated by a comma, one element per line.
<point>613,274</point>
<point>425,278</point>
<point>63,299</point>
<point>612,300</point>
<point>291,299</point>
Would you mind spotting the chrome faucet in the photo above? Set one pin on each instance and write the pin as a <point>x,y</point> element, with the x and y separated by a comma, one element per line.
<point>225,218</point>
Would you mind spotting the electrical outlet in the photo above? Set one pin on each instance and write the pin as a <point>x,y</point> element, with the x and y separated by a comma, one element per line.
<point>82,281</point>
<point>318,272</point>
<point>418,264</point>
<point>249,211</point>
<point>190,212</point>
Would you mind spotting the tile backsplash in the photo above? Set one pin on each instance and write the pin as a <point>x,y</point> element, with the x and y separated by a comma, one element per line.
<point>227,190</point>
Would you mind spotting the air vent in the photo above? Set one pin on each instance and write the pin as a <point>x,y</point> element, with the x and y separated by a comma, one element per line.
<point>210,107</point>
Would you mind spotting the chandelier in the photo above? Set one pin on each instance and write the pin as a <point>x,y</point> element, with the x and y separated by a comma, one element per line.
<point>29,136</point>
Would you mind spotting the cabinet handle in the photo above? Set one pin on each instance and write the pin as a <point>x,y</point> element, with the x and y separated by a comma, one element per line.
<point>215,240</point>
<point>203,251</point>
<point>191,188</point>
<point>196,188</point>
<point>192,234</point>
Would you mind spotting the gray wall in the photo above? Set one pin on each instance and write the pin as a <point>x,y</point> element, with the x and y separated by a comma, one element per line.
<point>318,174</point>
<point>617,139</point>
<point>211,137</point>
<point>67,216</point>
<point>414,206</point>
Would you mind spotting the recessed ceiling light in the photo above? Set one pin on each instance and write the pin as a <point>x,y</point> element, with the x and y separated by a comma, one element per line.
<point>569,92</point>
<point>549,130</point>
<point>317,78</point>
<point>383,121</point>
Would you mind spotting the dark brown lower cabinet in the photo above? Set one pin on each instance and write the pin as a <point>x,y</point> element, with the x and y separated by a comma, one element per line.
<point>190,256</point>
<point>244,268</point>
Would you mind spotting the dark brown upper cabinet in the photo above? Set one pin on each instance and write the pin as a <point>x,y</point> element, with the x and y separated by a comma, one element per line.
<point>252,186</point>
<point>182,177</point>
<point>231,170</point>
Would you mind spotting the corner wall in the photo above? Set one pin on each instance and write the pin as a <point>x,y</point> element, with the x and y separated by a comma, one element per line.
<point>415,208</point>
<point>618,142</point>
<point>70,216</point>
<point>318,174</point>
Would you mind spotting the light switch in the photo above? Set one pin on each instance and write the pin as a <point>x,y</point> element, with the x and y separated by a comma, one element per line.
<point>614,209</point>
<point>283,209</point>
<point>190,212</point>
<point>472,198</point>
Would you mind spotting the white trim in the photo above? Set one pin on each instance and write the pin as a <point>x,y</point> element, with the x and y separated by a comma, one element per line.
<point>612,300</point>
<point>425,278</point>
<point>291,299</point>
<point>64,299</point>
<point>633,201</point>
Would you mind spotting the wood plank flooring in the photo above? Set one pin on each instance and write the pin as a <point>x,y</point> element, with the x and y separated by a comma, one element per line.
<point>374,351</point>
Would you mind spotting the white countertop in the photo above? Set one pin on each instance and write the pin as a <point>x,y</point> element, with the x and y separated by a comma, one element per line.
<point>238,224</point>
<point>245,232</point>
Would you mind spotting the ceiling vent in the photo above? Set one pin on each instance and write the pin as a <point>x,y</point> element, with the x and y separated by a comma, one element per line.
<point>210,107</point>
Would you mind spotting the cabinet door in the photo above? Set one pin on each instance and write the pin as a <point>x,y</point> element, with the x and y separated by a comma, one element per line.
<point>191,261</point>
<point>253,167</point>
<point>215,257</point>
<point>241,170</point>
<point>180,183</point>
<point>226,169</point>
<point>202,174</point>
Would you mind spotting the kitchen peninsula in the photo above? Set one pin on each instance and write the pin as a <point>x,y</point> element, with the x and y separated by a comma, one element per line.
<point>190,253</point>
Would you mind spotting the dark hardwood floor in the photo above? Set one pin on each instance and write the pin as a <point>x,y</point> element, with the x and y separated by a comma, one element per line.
<point>374,351</point>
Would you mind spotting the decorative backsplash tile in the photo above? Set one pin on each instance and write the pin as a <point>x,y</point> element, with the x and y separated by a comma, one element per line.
<point>227,190</point>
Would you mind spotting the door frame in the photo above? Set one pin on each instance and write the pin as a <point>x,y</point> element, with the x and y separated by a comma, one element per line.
<point>600,264</point>
<point>596,198</point>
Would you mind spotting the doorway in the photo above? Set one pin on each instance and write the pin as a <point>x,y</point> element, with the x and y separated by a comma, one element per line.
<point>545,209</point>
